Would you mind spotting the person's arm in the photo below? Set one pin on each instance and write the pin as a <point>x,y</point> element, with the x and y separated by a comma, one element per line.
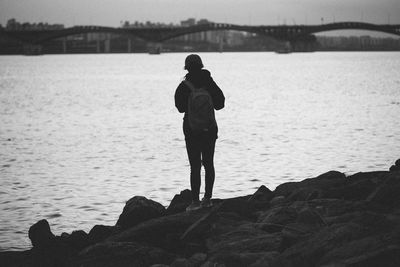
<point>181,97</point>
<point>217,96</point>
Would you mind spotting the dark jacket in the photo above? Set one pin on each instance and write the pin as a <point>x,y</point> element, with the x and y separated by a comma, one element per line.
<point>201,78</point>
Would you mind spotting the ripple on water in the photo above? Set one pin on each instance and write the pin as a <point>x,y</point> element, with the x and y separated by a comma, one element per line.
<point>87,208</point>
<point>54,215</point>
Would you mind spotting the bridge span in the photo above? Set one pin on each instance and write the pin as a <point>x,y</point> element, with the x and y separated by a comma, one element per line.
<point>290,33</point>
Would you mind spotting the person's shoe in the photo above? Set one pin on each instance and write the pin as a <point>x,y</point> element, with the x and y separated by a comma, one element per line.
<point>206,202</point>
<point>195,205</point>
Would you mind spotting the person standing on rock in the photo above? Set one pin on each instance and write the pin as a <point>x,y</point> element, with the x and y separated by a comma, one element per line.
<point>197,96</point>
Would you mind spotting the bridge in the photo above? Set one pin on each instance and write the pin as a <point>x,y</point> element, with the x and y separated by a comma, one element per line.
<point>156,35</point>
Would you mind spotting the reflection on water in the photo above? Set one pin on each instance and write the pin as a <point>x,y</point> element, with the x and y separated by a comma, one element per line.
<point>81,134</point>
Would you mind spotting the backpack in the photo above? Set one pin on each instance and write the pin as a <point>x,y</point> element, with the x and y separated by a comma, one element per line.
<point>201,114</point>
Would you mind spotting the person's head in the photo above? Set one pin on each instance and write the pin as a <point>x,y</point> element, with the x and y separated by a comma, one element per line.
<point>193,63</point>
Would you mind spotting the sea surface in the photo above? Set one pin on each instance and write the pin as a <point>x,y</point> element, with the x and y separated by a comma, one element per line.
<point>81,134</point>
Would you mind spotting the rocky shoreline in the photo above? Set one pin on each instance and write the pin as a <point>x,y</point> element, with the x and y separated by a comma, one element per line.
<point>332,220</point>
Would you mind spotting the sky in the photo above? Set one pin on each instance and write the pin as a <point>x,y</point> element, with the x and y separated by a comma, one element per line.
<point>247,12</point>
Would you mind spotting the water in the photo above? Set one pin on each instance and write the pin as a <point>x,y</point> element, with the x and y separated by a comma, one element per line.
<point>81,134</point>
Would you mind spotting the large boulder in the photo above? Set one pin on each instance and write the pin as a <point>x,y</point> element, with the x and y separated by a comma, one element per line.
<point>200,228</point>
<point>376,250</point>
<point>387,193</point>
<point>122,254</point>
<point>309,251</point>
<point>311,188</point>
<point>164,232</point>
<point>139,209</point>
<point>260,199</point>
<point>238,205</point>
<point>100,232</point>
<point>395,167</point>
<point>77,239</point>
<point>16,258</point>
<point>279,216</point>
<point>335,207</point>
<point>354,190</point>
<point>376,176</point>
<point>40,234</point>
<point>48,250</point>
<point>180,202</point>
<point>246,238</point>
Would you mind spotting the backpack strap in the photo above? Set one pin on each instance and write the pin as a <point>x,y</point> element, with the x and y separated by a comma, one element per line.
<point>190,85</point>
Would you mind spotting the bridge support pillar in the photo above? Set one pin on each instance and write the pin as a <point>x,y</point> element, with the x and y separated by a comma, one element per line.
<point>221,42</point>
<point>107,45</point>
<point>32,49</point>
<point>129,45</point>
<point>154,48</point>
<point>64,45</point>
<point>97,46</point>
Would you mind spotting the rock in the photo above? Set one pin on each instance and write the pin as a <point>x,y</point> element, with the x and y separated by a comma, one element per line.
<point>139,209</point>
<point>376,177</point>
<point>261,198</point>
<point>226,222</point>
<point>327,221</point>
<point>305,193</point>
<point>199,228</point>
<point>211,264</point>
<point>278,216</point>
<point>355,190</point>
<point>377,250</point>
<point>244,259</point>
<point>180,202</point>
<point>394,168</point>
<point>388,257</point>
<point>308,251</point>
<point>336,207</point>
<point>100,232</point>
<point>266,259</point>
<point>245,239</point>
<point>277,201</point>
<point>310,216</point>
<point>48,250</point>
<point>16,258</point>
<point>156,232</point>
<point>343,218</point>
<point>180,262</point>
<point>387,194</point>
<point>40,234</point>
<point>308,222</point>
<point>197,259</point>
<point>240,206</point>
<point>122,254</point>
<point>77,239</point>
<point>322,182</point>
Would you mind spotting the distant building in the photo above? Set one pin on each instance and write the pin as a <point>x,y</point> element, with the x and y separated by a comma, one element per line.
<point>189,22</point>
<point>14,25</point>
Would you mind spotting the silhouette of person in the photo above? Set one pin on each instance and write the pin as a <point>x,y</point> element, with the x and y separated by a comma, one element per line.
<point>200,145</point>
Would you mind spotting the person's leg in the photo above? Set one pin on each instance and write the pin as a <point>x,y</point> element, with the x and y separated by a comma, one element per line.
<point>194,155</point>
<point>208,163</point>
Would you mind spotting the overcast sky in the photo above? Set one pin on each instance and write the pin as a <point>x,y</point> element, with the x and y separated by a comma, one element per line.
<point>252,12</point>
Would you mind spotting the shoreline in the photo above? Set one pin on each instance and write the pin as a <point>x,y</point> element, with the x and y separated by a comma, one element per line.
<point>329,220</point>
